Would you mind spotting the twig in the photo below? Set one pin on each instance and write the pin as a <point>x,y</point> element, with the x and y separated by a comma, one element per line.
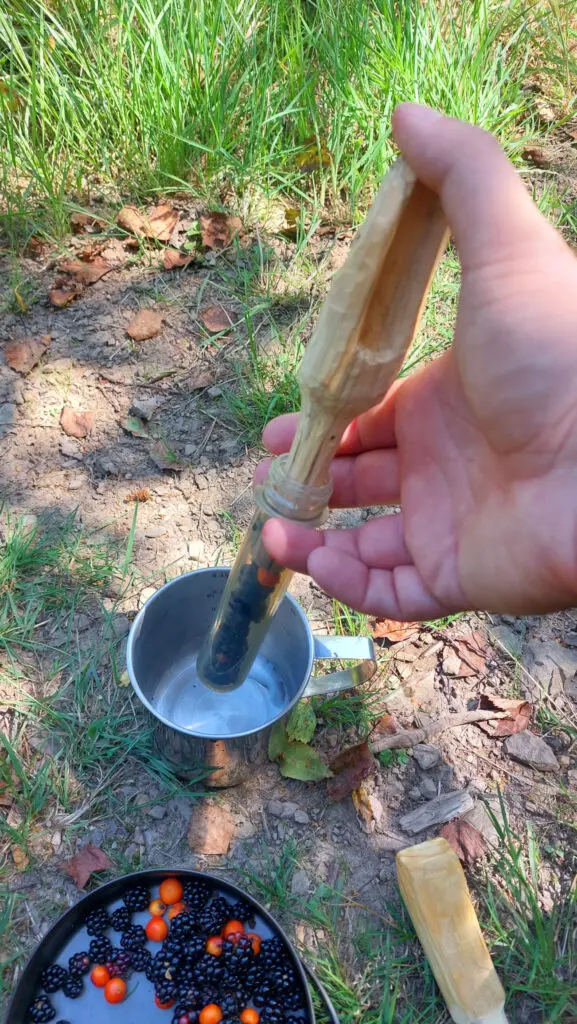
<point>410,737</point>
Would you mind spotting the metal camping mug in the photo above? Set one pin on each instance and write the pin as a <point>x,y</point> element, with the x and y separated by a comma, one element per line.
<point>227,733</point>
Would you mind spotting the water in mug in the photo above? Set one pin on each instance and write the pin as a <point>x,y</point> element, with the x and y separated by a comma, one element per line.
<point>188,704</point>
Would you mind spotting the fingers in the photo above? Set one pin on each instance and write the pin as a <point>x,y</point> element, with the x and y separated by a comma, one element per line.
<point>371,478</point>
<point>487,205</point>
<point>369,569</point>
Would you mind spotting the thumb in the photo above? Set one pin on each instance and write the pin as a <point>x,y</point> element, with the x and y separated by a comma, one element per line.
<point>493,218</point>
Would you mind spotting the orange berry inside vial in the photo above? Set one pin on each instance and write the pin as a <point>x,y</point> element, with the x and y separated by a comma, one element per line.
<point>171,891</point>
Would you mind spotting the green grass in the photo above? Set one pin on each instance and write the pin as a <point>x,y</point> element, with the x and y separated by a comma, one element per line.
<point>139,95</point>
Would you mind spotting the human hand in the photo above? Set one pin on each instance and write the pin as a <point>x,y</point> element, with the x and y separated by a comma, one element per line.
<point>480,447</point>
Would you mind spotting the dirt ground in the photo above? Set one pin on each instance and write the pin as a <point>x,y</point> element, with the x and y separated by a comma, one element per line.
<point>176,383</point>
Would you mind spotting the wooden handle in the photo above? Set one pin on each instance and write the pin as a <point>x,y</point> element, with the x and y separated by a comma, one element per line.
<point>368,319</point>
<point>434,888</point>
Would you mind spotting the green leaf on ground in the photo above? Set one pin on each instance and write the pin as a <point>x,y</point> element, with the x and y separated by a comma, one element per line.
<point>299,761</point>
<point>302,722</point>
<point>135,426</point>
<point>277,741</point>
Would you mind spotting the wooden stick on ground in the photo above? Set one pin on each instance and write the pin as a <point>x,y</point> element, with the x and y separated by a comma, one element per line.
<point>406,738</point>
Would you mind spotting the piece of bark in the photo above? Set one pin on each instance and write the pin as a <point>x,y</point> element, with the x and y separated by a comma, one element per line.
<point>406,738</point>
<point>435,812</point>
<point>211,829</point>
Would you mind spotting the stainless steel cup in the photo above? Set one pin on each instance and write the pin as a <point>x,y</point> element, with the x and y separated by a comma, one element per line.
<point>227,732</point>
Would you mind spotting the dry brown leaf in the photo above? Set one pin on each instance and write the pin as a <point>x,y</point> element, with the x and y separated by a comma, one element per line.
<point>132,220</point>
<point>211,829</point>
<point>386,725</point>
<point>86,863</point>
<point>203,379</point>
<point>217,230</point>
<point>36,247</point>
<point>472,650</point>
<point>215,319</point>
<point>61,296</point>
<point>466,840</point>
<point>83,223</point>
<point>20,858</point>
<point>349,769</point>
<point>172,259</point>
<point>389,629</point>
<point>146,324</point>
<point>23,354</point>
<point>163,221</point>
<point>518,715</point>
<point>363,806</point>
<point>537,156</point>
<point>76,424</point>
<point>86,271</point>
<point>165,458</point>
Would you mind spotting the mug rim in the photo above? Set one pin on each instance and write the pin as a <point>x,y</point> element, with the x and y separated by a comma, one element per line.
<point>133,638</point>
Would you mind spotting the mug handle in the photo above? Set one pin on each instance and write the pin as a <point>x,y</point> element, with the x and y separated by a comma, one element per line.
<point>342,647</point>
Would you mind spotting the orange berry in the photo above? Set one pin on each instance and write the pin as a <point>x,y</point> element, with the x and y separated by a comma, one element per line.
<point>176,909</point>
<point>171,891</point>
<point>214,945</point>
<point>255,941</point>
<point>250,1016</point>
<point>163,1006</point>
<point>211,1014</point>
<point>99,976</point>
<point>157,908</point>
<point>266,578</point>
<point>115,990</point>
<point>232,928</point>
<point>156,929</point>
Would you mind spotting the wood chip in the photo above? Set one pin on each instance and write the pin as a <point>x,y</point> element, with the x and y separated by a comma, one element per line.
<point>211,829</point>
<point>434,812</point>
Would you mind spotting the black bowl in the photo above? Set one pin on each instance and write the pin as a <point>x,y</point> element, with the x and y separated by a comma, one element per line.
<point>69,936</point>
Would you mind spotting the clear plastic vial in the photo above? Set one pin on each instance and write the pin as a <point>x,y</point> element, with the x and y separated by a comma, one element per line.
<point>257,583</point>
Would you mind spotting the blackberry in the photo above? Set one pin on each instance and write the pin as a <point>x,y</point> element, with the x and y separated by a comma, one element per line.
<point>51,979</point>
<point>264,993</point>
<point>182,1015</point>
<point>41,1010</point>
<point>253,978</point>
<point>183,925</point>
<point>79,964</point>
<point>242,911</point>
<point>284,980</point>
<point>137,898</point>
<point>209,994</point>
<point>165,990</point>
<point>120,962</point>
<point>273,952</point>
<point>164,966</point>
<point>97,922</point>
<point>208,970</point>
<point>140,959</point>
<point>272,1013</point>
<point>120,919</point>
<point>134,937</point>
<point>238,956</point>
<point>100,949</point>
<point>189,995</point>
<point>194,948</point>
<point>73,986</point>
<point>229,1004</point>
<point>196,895</point>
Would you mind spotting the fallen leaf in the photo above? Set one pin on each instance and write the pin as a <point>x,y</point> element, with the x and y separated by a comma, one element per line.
<point>163,221</point>
<point>146,324</point>
<point>299,761</point>
<point>211,829</point>
<point>76,424</point>
<point>386,725</point>
<point>21,859</point>
<point>133,425</point>
<point>23,353</point>
<point>466,840</point>
<point>172,258</point>
<point>217,230</point>
<point>165,458</point>
<point>86,863</point>
<point>315,155</point>
<point>84,223</point>
<point>141,494</point>
<point>132,220</point>
<point>537,156</point>
<point>362,805</point>
<point>36,247</point>
<point>518,715</point>
<point>302,722</point>
<point>472,650</point>
<point>215,319</point>
<point>202,380</point>
<point>277,741</point>
<point>86,271</point>
<point>389,629</point>
<point>62,296</point>
<point>349,769</point>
